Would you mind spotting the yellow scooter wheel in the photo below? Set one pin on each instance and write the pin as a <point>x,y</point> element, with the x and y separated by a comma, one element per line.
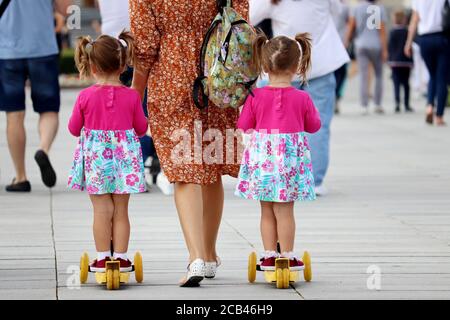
<point>307,272</point>
<point>109,279</point>
<point>286,278</point>
<point>252,267</point>
<point>280,279</point>
<point>84,267</point>
<point>138,268</point>
<point>116,279</point>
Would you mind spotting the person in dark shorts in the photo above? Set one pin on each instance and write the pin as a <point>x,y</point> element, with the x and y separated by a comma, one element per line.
<point>29,52</point>
<point>400,64</point>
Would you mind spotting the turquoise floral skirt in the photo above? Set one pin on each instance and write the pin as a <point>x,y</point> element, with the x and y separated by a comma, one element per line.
<point>108,162</point>
<point>276,168</point>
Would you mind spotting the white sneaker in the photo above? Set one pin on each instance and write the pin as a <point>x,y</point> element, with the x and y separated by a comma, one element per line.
<point>196,273</point>
<point>211,268</point>
<point>379,110</point>
<point>163,183</point>
<point>365,111</point>
<point>321,191</point>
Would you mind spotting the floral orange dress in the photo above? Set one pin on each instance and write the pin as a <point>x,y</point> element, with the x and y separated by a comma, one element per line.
<point>168,36</point>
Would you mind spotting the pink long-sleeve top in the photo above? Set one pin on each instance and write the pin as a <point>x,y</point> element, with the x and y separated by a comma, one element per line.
<point>279,110</point>
<point>105,107</point>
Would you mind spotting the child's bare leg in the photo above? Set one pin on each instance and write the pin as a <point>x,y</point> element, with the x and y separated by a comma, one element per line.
<point>103,215</point>
<point>121,223</point>
<point>268,226</point>
<point>284,214</point>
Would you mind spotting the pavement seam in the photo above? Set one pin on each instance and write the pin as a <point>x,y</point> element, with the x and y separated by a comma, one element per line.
<point>54,244</point>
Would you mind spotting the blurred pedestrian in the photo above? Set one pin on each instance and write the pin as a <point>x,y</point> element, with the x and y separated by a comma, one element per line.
<point>290,17</point>
<point>29,51</point>
<point>427,21</point>
<point>400,64</point>
<point>341,19</point>
<point>368,25</point>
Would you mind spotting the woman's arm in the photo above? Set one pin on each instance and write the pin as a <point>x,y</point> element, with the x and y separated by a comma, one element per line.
<point>147,42</point>
<point>62,5</point>
<point>351,27</point>
<point>384,41</point>
<point>411,33</point>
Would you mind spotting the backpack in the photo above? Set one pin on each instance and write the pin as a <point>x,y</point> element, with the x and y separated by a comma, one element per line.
<point>226,76</point>
<point>446,17</point>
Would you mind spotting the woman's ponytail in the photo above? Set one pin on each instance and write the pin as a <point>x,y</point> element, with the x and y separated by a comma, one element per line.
<point>304,39</point>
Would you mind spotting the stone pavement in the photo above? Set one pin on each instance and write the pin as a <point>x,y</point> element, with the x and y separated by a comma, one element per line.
<point>388,210</point>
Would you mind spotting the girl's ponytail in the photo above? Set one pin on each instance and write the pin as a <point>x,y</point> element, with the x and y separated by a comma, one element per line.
<point>83,50</point>
<point>127,44</point>
<point>258,60</point>
<point>304,39</point>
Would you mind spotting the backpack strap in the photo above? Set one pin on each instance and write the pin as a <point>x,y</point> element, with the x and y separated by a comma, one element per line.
<point>198,83</point>
<point>3,7</point>
<point>198,92</point>
<point>222,4</point>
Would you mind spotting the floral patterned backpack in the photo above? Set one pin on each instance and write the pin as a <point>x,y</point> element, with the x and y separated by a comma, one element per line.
<point>226,76</point>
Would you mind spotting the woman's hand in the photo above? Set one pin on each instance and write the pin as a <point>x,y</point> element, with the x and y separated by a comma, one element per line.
<point>140,80</point>
<point>408,50</point>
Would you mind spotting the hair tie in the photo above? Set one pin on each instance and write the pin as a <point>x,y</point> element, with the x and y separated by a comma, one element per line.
<point>301,49</point>
<point>89,47</point>
<point>123,43</point>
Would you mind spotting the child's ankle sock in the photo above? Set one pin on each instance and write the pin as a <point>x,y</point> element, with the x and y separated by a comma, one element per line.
<point>103,255</point>
<point>290,255</point>
<point>270,254</point>
<point>122,256</point>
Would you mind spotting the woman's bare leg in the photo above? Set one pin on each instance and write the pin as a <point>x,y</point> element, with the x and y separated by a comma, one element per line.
<point>189,203</point>
<point>103,216</point>
<point>268,226</point>
<point>284,214</point>
<point>121,223</point>
<point>213,198</point>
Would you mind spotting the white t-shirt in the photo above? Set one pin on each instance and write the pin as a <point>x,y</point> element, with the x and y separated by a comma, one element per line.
<point>115,16</point>
<point>290,17</point>
<point>430,14</point>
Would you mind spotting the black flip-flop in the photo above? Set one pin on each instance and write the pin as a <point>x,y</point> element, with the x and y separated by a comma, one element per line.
<point>48,174</point>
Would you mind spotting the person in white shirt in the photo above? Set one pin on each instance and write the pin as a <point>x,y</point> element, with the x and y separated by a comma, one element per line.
<point>434,45</point>
<point>115,17</point>
<point>290,17</point>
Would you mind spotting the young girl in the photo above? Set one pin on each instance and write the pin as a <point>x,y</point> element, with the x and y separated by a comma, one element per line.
<point>276,167</point>
<point>108,118</point>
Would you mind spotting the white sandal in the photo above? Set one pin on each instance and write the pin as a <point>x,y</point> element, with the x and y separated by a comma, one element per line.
<point>196,273</point>
<point>211,268</point>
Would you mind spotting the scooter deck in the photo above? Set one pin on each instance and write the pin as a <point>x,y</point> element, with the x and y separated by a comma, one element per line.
<point>100,277</point>
<point>281,263</point>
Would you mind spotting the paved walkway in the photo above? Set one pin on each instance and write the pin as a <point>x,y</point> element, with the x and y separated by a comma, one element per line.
<point>388,210</point>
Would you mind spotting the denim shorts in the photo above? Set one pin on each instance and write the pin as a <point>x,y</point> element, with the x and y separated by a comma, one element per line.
<point>43,75</point>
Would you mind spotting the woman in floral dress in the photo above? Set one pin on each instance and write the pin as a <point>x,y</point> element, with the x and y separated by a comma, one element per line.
<point>169,34</point>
